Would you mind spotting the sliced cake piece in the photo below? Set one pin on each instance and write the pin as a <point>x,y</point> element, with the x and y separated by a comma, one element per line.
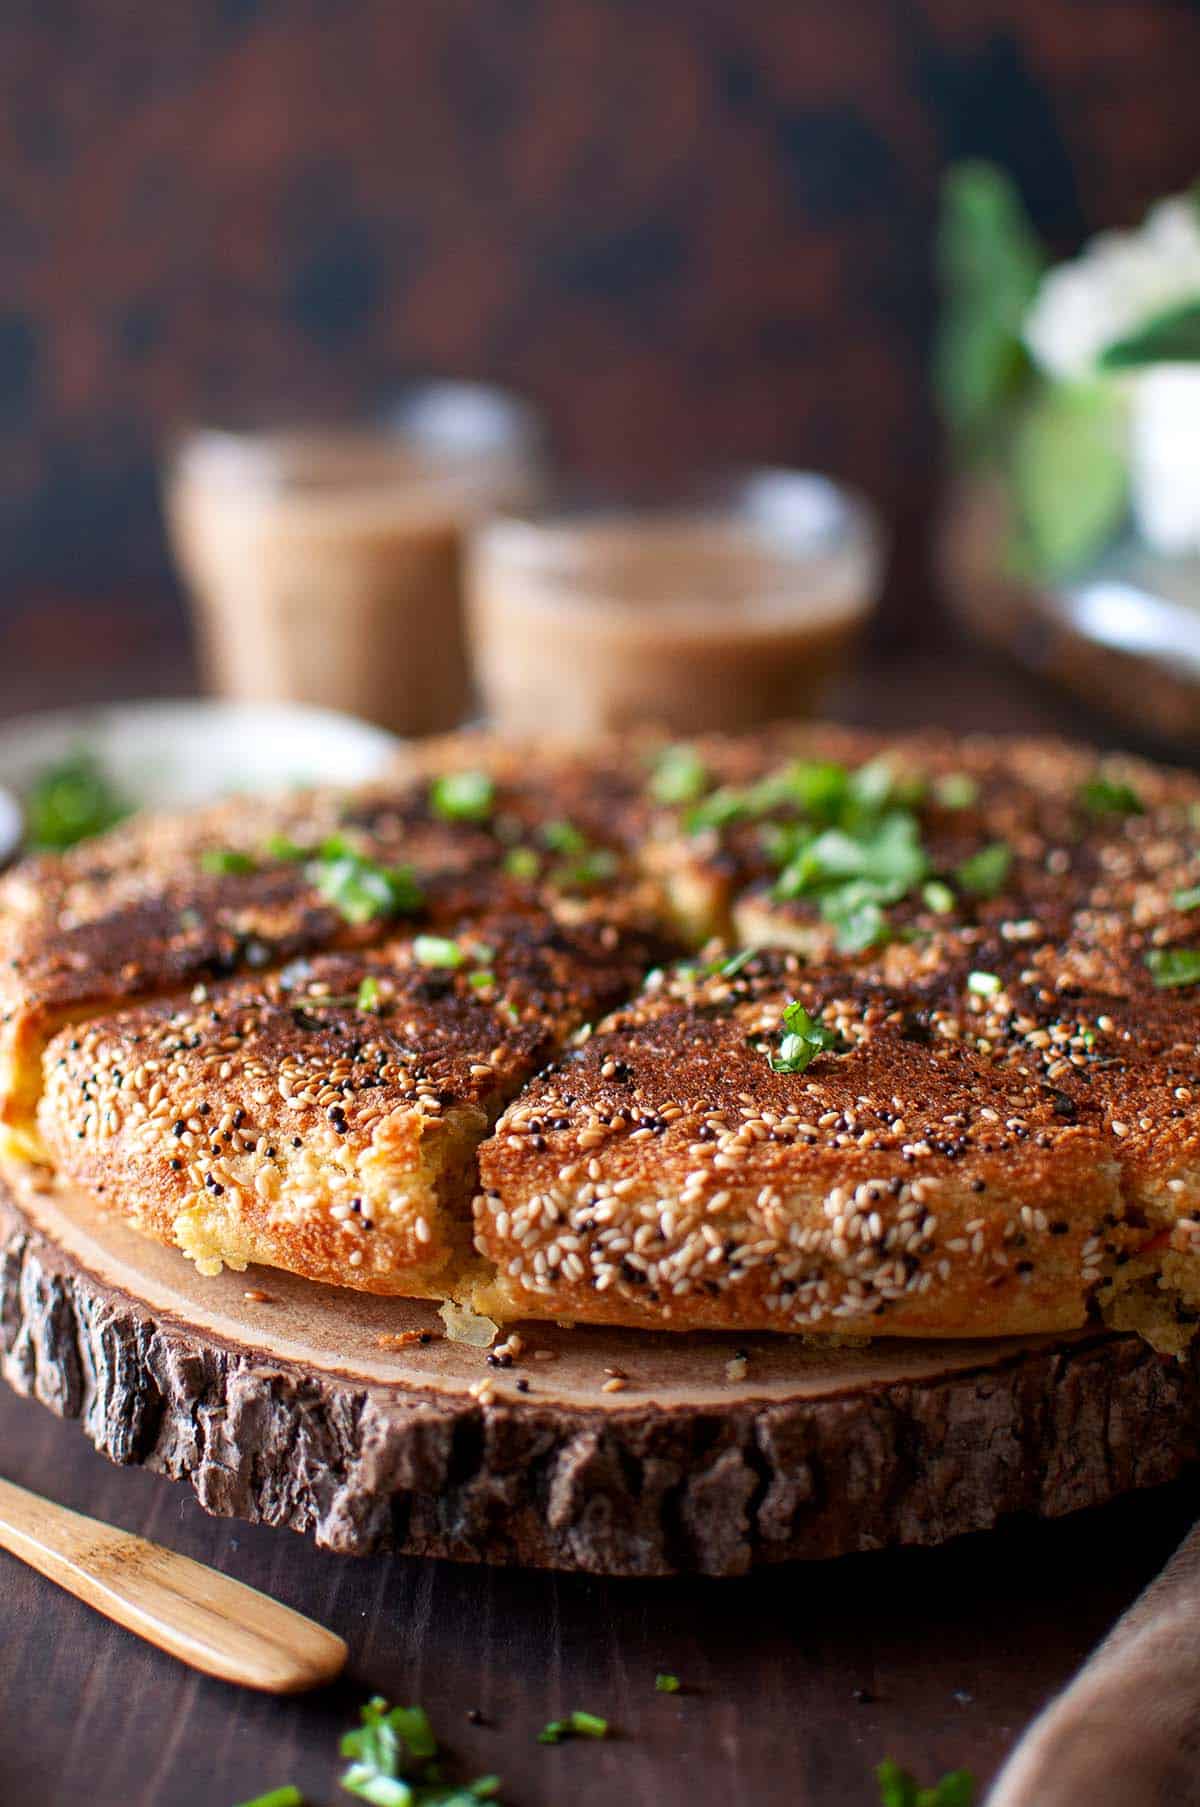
<point>166,901</point>
<point>891,1148</point>
<point>325,1119</point>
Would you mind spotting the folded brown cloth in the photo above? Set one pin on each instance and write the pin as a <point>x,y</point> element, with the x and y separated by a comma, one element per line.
<point>1126,1732</point>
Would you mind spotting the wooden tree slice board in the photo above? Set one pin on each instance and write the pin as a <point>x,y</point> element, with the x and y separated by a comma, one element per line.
<point>294,1410</point>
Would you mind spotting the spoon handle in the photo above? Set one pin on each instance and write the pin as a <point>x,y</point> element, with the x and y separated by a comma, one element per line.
<point>193,1612</point>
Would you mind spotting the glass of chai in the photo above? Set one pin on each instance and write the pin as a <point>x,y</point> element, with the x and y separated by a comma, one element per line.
<point>725,614</point>
<point>325,563</point>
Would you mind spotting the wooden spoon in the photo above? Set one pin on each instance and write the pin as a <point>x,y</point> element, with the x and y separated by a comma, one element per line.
<point>196,1614</point>
<point>1126,1732</point>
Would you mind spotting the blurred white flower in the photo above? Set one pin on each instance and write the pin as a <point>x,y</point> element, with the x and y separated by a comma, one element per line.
<point>1119,282</point>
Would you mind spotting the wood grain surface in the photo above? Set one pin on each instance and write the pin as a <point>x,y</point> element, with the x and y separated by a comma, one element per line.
<point>954,1649</point>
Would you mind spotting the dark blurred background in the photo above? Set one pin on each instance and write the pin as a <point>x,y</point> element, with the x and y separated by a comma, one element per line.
<point>694,231</point>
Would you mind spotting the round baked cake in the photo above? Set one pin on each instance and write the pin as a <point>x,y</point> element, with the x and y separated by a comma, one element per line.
<point>806,1031</point>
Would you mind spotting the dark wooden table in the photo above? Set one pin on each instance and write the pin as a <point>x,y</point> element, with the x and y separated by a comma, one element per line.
<point>796,1681</point>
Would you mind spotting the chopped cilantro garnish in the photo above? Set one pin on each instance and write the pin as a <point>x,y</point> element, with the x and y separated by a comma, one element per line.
<point>679,776</point>
<point>729,968</point>
<point>282,847</point>
<point>956,790</point>
<point>667,1684</point>
<point>359,889</point>
<point>521,862</point>
<point>394,1763</point>
<point>70,802</point>
<point>225,860</point>
<point>462,796</point>
<point>983,875</point>
<point>1171,967</point>
<point>481,981</point>
<point>898,1789</point>
<point>854,910</point>
<point>562,837</point>
<point>984,985</point>
<point>437,950</point>
<point>1101,796</point>
<point>801,1040</point>
<point>724,806</point>
<point>1187,900</point>
<point>368,994</point>
<point>575,1725</point>
<point>593,866</point>
<point>287,1796</point>
<point>937,897</point>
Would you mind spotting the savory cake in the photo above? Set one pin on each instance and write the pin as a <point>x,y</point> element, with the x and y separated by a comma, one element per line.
<point>450,1035</point>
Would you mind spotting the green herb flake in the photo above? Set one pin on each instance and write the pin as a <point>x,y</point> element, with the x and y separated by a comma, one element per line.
<point>717,811</point>
<point>679,776</point>
<point>359,889</point>
<point>667,1684</point>
<point>593,867</point>
<point>1172,967</point>
<point>1102,796</point>
<point>287,1796</point>
<point>801,1040</point>
<point>562,837</point>
<point>521,862</point>
<point>1187,900</point>
<point>394,1762</point>
<point>223,861</point>
<point>282,847</point>
<point>575,1725</point>
<point>984,874</point>
<point>462,796</point>
<point>729,969</point>
<point>897,1788</point>
<point>956,790</point>
<point>481,981</point>
<point>437,950</point>
<point>70,802</point>
<point>984,985</point>
<point>368,994</point>
<point>938,897</point>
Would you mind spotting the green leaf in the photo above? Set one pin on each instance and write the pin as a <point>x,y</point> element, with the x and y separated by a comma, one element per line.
<point>1101,796</point>
<point>897,1788</point>
<point>1173,967</point>
<point>225,860</point>
<point>369,1784</point>
<point>1070,478</point>
<point>521,862</point>
<point>1172,337</point>
<point>801,1040</point>
<point>562,837</point>
<point>462,796</point>
<point>287,1796</point>
<point>679,776</point>
<point>437,950</point>
<point>70,802</point>
<point>956,790</point>
<point>575,1725</point>
<point>1187,900</point>
<point>937,897</point>
<point>667,1684</point>
<point>360,890</point>
<point>368,994</point>
<point>989,262</point>
<point>984,873</point>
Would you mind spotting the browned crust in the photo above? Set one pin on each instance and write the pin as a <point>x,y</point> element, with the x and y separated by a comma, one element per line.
<point>1086,1067</point>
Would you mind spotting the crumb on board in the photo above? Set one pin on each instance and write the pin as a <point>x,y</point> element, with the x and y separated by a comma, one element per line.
<point>404,1339</point>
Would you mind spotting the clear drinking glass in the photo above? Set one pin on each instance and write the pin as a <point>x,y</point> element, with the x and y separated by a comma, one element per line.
<point>324,563</point>
<point>722,614</point>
